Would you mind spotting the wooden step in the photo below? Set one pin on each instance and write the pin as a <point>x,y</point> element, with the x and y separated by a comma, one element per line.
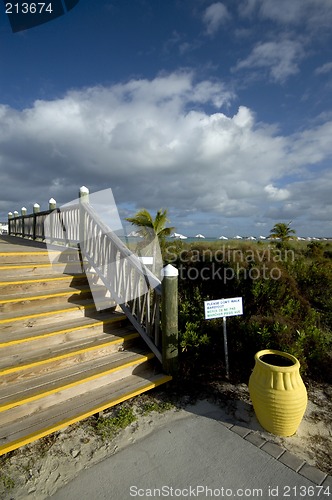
<point>50,383</point>
<point>45,315</point>
<point>49,420</point>
<point>37,269</point>
<point>40,256</point>
<point>26,365</point>
<point>56,343</point>
<point>25,301</point>
<point>57,391</point>
<point>13,284</point>
<point>63,330</point>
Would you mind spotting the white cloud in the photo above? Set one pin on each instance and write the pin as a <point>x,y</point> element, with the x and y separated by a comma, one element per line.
<point>275,193</point>
<point>280,59</point>
<point>311,13</point>
<point>325,68</point>
<point>153,143</point>
<point>214,16</point>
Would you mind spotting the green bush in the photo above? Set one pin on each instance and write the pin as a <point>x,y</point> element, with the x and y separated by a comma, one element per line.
<point>108,427</point>
<point>292,313</point>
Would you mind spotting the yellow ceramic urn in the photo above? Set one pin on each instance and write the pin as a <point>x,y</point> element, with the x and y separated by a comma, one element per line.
<point>277,392</point>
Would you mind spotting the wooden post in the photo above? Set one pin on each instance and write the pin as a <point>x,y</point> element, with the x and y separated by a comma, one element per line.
<point>83,198</point>
<point>36,210</point>
<point>23,213</point>
<point>15,215</point>
<point>84,194</point>
<point>51,207</point>
<point>52,204</point>
<point>169,320</point>
<point>10,216</point>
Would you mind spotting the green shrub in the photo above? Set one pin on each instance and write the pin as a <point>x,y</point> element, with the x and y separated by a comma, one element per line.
<point>108,427</point>
<point>275,310</point>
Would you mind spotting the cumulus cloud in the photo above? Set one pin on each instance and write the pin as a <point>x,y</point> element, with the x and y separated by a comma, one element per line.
<point>275,193</point>
<point>325,68</point>
<point>309,13</point>
<point>214,16</point>
<point>280,59</point>
<point>155,145</point>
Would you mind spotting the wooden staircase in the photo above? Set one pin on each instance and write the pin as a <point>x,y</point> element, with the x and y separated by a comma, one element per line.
<point>61,360</point>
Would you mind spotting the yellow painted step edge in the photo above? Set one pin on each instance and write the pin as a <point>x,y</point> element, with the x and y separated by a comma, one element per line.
<point>81,416</point>
<point>37,265</point>
<point>63,331</point>
<point>41,252</point>
<point>73,291</point>
<point>46,313</point>
<point>140,358</point>
<point>24,266</point>
<point>40,279</point>
<point>14,369</point>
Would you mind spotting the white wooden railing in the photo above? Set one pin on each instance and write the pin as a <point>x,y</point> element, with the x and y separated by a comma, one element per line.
<point>136,290</point>
<point>130,283</point>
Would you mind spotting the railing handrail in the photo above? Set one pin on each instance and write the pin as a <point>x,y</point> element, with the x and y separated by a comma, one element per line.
<point>139,265</point>
<point>143,311</point>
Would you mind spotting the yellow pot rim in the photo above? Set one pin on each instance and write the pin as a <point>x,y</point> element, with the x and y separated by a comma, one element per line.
<point>275,368</point>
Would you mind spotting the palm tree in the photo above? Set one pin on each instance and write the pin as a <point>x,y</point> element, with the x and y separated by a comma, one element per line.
<point>150,228</point>
<point>282,231</point>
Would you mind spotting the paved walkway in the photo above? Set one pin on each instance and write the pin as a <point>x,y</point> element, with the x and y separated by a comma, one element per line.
<point>199,456</point>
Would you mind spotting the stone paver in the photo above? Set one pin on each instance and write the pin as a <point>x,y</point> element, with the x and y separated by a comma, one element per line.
<point>315,475</point>
<point>273,449</point>
<point>241,431</point>
<point>327,483</point>
<point>292,461</point>
<point>256,439</point>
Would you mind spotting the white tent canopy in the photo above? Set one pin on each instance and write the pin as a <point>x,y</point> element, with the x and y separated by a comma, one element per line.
<point>134,234</point>
<point>178,236</point>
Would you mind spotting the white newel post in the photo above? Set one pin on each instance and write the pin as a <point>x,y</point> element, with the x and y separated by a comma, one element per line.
<point>52,204</point>
<point>83,199</point>
<point>10,217</point>
<point>23,213</point>
<point>36,210</point>
<point>51,207</point>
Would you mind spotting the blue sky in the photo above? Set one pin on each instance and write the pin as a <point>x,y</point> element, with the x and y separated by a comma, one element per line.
<point>219,111</point>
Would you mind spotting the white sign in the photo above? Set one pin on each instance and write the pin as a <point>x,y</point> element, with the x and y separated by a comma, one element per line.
<point>223,307</point>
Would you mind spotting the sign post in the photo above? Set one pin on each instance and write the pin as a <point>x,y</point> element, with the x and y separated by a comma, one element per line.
<point>222,308</point>
<point>225,346</point>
